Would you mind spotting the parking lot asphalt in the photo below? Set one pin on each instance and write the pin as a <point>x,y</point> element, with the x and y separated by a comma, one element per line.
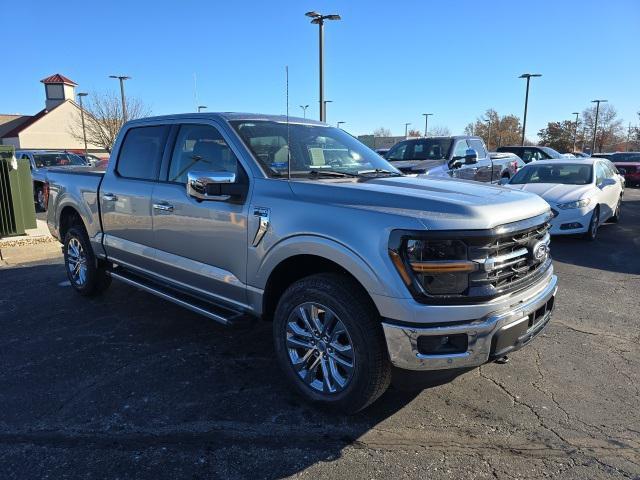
<point>129,386</point>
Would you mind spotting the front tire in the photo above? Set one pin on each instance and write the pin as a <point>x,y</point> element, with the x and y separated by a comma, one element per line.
<point>592,233</point>
<point>329,343</point>
<point>86,275</point>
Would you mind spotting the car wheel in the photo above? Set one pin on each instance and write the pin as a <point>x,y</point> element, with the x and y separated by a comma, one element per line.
<point>616,215</point>
<point>86,275</point>
<point>592,233</point>
<point>329,343</point>
<point>40,200</point>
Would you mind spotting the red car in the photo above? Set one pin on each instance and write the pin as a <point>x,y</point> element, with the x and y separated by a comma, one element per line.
<point>628,163</point>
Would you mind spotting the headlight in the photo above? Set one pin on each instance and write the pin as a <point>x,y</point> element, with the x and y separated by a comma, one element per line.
<point>577,204</point>
<point>433,266</point>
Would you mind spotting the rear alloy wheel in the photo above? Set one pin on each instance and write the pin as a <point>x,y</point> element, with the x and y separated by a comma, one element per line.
<point>87,276</point>
<point>592,233</point>
<point>329,342</point>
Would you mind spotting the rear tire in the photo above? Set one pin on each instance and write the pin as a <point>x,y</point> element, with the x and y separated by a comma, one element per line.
<point>40,201</point>
<point>345,371</point>
<point>592,233</point>
<point>87,276</point>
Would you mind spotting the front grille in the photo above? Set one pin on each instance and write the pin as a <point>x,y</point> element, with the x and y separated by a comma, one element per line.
<point>508,261</point>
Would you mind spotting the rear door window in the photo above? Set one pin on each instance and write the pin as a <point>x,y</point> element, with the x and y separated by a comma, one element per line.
<point>141,152</point>
<point>397,152</point>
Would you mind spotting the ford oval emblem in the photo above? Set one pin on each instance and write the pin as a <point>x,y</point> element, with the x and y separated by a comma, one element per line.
<point>540,251</point>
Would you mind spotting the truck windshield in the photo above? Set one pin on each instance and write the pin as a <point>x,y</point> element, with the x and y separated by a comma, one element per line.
<point>57,159</point>
<point>551,152</point>
<point>313,149</point>
<point>420,149</point>
<point>564,173</point>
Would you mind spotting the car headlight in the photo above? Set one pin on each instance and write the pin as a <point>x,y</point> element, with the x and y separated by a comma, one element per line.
<point>433,267</point>
<point>577,204</point>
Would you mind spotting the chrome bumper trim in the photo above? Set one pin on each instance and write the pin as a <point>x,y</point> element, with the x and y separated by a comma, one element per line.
<point>402,341</point>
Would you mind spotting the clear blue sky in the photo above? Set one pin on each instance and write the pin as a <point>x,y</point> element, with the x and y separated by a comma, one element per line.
<point>386,62</point>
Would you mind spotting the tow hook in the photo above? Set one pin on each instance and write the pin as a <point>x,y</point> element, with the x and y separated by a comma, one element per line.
<point>502,360</point>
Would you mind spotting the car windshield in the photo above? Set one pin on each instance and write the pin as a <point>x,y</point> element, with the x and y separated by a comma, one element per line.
<point>314,149</point>
<point>57,159</point>
<point>420,149</point>
<point>551,152</point>
<point>564,173</point>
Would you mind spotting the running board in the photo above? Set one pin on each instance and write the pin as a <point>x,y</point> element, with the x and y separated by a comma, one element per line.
<point>215,312</point>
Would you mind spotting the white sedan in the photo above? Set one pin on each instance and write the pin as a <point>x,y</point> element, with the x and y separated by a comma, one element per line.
<point>582,193</point>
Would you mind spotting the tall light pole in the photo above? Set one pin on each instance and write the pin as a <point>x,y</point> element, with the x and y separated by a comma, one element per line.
<point>595,127</point>
<point>304,110</point>
<point>575,130</point>
<point>122,78</point>
<point>324,108</point>
<point>426,122</point>
<point>200,107</point>
<point>406,129</point>
<point>84,131</point>
<point>526,100</point>
<point>319,19</point>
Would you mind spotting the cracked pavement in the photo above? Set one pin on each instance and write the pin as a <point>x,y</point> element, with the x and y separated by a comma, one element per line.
<point>129,386</point>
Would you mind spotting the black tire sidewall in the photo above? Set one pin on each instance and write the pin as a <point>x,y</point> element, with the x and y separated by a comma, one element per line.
<point>365,340</point>
<point>92,274</point>
<point>594,216</point>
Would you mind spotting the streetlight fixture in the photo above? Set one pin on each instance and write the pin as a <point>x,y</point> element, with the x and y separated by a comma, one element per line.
<point>426,122</point>
<point>319,19</point>
<point>200,107</point>
<point>575,130</point>
<point>84,131</point>
<point>406,129</point>
<point>304,110</point>
<point>340,123</point>
<point>324,109</point>
<point>595,127</point>
<point>122,78</point>
<point>528,76</point>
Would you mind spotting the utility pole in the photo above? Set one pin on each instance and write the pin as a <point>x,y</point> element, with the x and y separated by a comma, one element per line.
<point>122,78</point>
<point>84,131</point>
<point>426,123</point>
<point>575,130</point>
<point>319,19</point>
<point>528,76</point>
<point>406,129</point>
<point>595,127</point>
<point>200,107</point>
<point>340,123</point>
<point>324,103</point>
<point>304,110</point>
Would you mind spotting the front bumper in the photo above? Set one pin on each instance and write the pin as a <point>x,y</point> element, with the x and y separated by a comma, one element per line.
<point>489,337</point>
<point>561,224</point>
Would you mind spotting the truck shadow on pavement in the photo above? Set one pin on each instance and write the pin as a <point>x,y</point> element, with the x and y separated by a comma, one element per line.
<point>615,249</point>
<point>127,383</point>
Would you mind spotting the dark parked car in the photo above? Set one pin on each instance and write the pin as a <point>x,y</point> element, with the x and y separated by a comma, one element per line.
<point>532,153</point>
<point>627,163</point>
<point>461,157</point>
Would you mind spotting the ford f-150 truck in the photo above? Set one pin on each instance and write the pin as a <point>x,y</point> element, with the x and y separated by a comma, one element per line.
<point>358,266</point>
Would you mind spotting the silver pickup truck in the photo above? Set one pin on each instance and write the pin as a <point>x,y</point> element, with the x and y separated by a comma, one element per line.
<point>359,267</point>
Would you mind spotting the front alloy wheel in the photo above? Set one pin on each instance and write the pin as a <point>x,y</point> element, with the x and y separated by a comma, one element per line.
<point>319,348</point>
<point>77,262</point>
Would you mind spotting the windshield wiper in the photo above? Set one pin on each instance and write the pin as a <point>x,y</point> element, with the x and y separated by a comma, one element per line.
<point>331,173</point>
<point>379,172</point>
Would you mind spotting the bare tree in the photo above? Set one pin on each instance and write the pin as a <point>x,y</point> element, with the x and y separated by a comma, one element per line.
<point>439,131</point>
<point>496,130</point>
<point>103,118</point>
<point>382,132</point>
<point>610,129</point>
<point>414,133</point>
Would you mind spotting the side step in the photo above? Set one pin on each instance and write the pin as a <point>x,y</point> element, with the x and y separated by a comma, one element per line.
<point>210,310</point>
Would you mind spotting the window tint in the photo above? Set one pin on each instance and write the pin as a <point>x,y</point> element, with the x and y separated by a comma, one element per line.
<point>200,148</point>
<point>141,152</point>
<point>478,146</point>
<point>397,152</point>
<point>461,149</point>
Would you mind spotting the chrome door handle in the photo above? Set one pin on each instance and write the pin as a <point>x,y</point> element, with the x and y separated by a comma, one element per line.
<point>109,197</point>
<point>163,207</point>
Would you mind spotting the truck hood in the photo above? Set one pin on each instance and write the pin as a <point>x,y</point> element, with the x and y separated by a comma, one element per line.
<point>421,166</point>
<point>438,203</point>
<point>555,192</point>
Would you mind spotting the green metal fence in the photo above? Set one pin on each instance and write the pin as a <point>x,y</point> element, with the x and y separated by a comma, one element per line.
<point>17,210</point>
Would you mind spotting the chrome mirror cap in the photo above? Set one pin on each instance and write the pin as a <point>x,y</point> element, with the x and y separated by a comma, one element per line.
<point>206,185</point>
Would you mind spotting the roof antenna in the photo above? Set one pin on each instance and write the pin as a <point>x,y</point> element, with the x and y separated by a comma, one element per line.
<point>286,69</point>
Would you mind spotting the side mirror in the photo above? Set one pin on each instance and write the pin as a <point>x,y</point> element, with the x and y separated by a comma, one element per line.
<point>211,185</point>
<point>470,156</point>
<point>504,180</point>
<point>622,171</point>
